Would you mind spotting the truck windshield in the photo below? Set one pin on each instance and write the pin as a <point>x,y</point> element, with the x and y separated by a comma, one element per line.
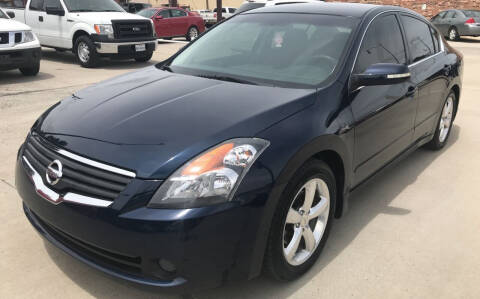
<point>92,6</point>
<point>288,50</point>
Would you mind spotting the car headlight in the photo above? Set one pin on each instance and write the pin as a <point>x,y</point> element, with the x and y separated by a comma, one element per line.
<point>105,30</point>
<point>212,177</point>
<point>28,36</point>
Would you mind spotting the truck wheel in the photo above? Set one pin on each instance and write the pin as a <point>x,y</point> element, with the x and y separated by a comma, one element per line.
<point>192,33</point>
<point>144,58</point>
<point>86,52</point>
<point>31,71</point>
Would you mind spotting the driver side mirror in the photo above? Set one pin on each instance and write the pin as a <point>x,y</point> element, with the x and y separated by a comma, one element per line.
<point>159,17</point>
<point>382,74</point>
<point>56,11</point>
<point>11,14</point>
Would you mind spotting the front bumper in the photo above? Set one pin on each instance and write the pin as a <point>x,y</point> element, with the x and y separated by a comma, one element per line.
<point>14,59</point>
<point>207,246</point>
<point>124,47</point>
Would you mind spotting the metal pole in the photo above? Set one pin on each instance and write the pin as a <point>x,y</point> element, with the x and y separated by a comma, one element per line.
<point>219,10</point>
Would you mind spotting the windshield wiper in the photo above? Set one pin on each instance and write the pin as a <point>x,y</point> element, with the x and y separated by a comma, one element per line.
<point>227,78</point>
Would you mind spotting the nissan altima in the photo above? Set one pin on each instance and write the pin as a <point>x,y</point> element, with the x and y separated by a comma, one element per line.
<point>235,155</point>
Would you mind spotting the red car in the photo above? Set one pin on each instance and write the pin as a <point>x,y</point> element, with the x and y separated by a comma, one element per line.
<point>174,22</point>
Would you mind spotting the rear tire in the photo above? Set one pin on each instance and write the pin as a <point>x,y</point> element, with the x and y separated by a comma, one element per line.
<point>453,34</point>
<point>444,124</point>
<point>144,58</point>
<point>31,71</point>
<point>86,52</point>
<point>299,230</point>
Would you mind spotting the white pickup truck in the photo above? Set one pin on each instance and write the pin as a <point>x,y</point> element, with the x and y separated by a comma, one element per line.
<point>90,28</point>
<point>211,17</point>
<point>19,47</point>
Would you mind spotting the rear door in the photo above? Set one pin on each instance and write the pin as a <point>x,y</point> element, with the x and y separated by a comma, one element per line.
<point>427,68</point>
<point>179,22</point>
<point>384,115</point>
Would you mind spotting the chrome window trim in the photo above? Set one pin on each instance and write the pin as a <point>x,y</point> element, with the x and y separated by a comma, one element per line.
<point>95,163</point>
<point>55,198</point>
<point>394,11</point>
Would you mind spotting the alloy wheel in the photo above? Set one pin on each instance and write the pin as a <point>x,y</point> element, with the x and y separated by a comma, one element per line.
<point>83,52</point>
<point>446,119</point>
<point>306,221</point>
<point>193,33</point>
<point>452,35</point>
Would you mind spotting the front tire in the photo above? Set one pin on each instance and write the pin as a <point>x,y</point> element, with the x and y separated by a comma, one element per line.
<point>301,222</point>
<point>445,123</point>
<point>31,71</point>
<point>86,52</point>
<point>453,34</point>
<point>192,33</point>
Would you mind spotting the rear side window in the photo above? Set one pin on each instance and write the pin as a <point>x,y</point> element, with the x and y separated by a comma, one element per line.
<point>419,38</point>
<point>36,5</point>
<point>383,43</point>
<point>164,13</point>
<point>178,13</point>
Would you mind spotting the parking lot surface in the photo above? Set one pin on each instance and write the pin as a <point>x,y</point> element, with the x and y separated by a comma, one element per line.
<point>412,232</point>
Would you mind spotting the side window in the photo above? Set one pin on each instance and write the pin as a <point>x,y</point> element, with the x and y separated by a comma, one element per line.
<point>449,14</point>
<point>439,16</point>
<point>36,5</point>
<point>52,3</point>
<point>231,10</point>
<point>454,15</point>
<point>178,13</point>
<point>419,38</point>
<point>383,43</point>
<point>164,13</point>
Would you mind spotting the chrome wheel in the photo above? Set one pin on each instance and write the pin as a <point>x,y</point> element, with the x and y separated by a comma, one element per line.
<point>83,52</point>
<point>446,119</point>
<point>193,33</point>
<point>306,221</point>
<point>452,35</point>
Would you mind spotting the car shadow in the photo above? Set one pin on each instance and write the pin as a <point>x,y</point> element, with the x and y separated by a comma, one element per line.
<point>14,76</point>
<point>104,63</point>
<point>467,39</point>
<point>366,203</point>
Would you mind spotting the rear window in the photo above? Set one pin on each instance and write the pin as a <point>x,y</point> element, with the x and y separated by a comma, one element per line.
<point>472,13</point>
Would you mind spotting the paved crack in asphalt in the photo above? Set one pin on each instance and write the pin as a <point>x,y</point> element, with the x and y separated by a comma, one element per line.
<point>5,94</point>
<point>8,184</point>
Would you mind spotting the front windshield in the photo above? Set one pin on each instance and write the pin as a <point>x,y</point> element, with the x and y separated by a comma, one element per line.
<point>3,15</point>
<point>271,49</point>
<point>147,13</point>
<point>92,5</point>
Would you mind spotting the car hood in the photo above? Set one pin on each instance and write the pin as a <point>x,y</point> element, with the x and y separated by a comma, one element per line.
<point>164,118</point>
<point>12,25</point>
<point>103,17</point>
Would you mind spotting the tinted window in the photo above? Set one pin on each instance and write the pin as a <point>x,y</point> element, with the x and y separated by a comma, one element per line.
<point>449,14</point>
<point>13,3</point>
<point>472,13</point>
<point>178,13</point>
<point>164,13</point>
<point>383,43</point>
<point>36,5</point>
<point>419,38</point>
<point>231,10</point>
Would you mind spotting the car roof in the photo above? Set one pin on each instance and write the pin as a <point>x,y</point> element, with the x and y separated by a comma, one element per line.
<point>329,8</point>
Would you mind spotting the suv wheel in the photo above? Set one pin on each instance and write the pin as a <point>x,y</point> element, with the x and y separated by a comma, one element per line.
<point>86,52</point>
<point>301,222</point>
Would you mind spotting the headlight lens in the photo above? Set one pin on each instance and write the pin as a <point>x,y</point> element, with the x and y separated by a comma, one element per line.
<point>211,177</point>
<point>28,36</point>
<point>105,30</point>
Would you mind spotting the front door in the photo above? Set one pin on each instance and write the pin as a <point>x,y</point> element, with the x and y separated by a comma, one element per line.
<point>384,115</point>
<point>162,23</point>
<point>35,18</point>
<point>56,29</point>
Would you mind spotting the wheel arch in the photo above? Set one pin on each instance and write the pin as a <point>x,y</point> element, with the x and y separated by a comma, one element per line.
<point>77,34</point>
<point>456,89</point>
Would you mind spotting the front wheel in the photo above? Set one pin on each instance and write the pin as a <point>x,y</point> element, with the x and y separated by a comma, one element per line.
<point>144,58</point>
<point>445,123</point>
<point>86,52</point>
<point>301,222</point>
<point>192,33</point>
<point>31,71</point>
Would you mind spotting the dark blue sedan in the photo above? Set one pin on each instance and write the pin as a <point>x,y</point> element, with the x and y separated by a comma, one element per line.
<point>236,154</point>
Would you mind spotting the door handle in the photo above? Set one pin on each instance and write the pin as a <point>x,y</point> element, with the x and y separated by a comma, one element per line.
<point>411,91</point>
<point>40,18</point>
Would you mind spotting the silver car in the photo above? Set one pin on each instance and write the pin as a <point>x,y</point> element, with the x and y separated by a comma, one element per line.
<point>455,23</point>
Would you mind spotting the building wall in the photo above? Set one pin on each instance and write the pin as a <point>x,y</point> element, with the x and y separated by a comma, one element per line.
<point>428,8</point>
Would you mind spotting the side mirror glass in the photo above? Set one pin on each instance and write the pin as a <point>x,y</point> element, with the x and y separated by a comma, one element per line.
<point>11,14</point>
<point>56,11</point>
<point>382,74</point>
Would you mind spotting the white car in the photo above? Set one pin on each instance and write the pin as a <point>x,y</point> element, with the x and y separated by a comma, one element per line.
<point>91,28</point>
<point>19,47</point>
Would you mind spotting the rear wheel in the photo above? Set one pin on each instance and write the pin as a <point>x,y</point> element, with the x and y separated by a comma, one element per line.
<point>31,71</point>
<point>86,52</point>
<point>445,123</point>
<point>302,222</point>
<point>453,34</point>
<point>192,33</point>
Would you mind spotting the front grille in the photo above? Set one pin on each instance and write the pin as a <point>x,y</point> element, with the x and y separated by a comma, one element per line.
<point>4,38</point>
<point>131,29</point>
<point>18,38</point>
<point>77,177</point>
<point>99,255</point>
